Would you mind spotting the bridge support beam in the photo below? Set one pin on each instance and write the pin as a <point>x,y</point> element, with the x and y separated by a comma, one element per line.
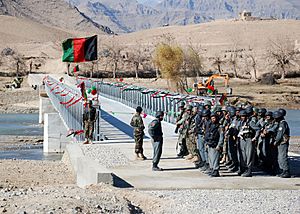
<point>55,139</point>
<point>45,107</point>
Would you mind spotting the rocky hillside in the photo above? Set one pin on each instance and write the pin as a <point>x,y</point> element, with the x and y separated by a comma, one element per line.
<point>56,13</point>
<point>133,15</point>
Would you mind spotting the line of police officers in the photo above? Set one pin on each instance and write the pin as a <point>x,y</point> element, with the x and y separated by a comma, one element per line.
<point>244,136</point>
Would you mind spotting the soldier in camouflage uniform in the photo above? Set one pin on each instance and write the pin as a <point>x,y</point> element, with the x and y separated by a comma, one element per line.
<point>191,139</point>
<point>138,132</point>
<point>180,126</point>
<point>89,118</point>
<point>184,123</point>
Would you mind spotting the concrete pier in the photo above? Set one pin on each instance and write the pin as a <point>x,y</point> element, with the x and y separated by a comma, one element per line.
<point>45,107</point>
<point>55,139</point>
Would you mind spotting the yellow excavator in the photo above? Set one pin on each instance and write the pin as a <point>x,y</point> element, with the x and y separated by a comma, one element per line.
<point>208,87</point>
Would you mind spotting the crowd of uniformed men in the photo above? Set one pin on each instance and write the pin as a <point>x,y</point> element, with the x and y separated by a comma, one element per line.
<point>239,137</point>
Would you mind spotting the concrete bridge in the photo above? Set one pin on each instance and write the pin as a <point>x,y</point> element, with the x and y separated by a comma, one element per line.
<point>111,158</point>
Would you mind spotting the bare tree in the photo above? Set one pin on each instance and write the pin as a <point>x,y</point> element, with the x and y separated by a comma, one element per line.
<point>114,55</point>
<point>282,55</point>
<point>251,61</point>
<point>194,59</point>
<point>218,62</point>
<point>138,56</point>
<point>233,59</point>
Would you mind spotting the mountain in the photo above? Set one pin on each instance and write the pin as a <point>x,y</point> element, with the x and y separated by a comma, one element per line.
<point>120,15</point>
<point>134,15</point>
<point>56,13</point>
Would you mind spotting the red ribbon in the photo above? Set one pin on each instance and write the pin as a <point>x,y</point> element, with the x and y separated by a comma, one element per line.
<point>63,95</point>
<point>56,87</point>
<point>59,92</point>
<point>76,101</point>
<point>155,93</point>
<point>64,103</point>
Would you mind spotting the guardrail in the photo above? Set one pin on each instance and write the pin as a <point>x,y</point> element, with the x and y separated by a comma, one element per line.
<point>68,103</point>
<point>136,96</point>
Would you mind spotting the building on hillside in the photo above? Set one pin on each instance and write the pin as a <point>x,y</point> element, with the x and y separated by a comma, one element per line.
<point>247,16</point>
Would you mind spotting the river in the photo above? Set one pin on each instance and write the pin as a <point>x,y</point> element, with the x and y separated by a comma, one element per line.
<point>23,125</point>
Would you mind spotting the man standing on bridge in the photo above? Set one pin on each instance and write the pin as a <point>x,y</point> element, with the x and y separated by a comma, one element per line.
<point>155,131</point>
<point>138,125</point>
<point>89,118</point>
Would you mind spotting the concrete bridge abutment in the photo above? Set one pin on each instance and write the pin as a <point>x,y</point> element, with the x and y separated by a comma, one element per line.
<point>55,139</point>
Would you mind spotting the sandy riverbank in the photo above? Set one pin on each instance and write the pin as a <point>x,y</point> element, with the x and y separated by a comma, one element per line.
<point>22,100</point>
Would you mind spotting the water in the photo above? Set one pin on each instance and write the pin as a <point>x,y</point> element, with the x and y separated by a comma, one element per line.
<point>29,154</point>
<point>20,124</point>
<point>23,125</point>
<point>293,118</point>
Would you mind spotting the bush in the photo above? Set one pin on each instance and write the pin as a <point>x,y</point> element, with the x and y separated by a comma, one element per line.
<point>267,79</point>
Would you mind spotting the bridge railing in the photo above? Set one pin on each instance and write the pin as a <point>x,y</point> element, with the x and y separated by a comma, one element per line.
<point>68,103</point>
<point>149,103</point>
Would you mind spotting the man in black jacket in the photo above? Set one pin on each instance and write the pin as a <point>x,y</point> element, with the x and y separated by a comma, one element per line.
<point>212,139</point>
<point>155,131</point>
<point>282,139</point>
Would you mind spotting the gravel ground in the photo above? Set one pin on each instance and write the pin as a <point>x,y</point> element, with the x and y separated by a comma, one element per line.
<point>49,187</point>
<point>231,201</point>
<point>107,156</point>
<point>62,199</point>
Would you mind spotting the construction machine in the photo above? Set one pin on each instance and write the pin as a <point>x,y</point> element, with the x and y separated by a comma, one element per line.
<point>208,85</point>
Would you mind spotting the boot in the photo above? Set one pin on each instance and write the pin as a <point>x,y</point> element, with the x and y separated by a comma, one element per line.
<point>200,164</point>
<point>180,154</point>
<point>86,142</point>
<point>240,171</point>
<point>142,156</point>
<point>156,168</point>
<point>247,173</point>
<point>138,157</point>
<point>208,171</point>
<point>215,173</point>
<point>204,168</point>
<point>188,157</point>
<point>195,159</point>
<point>285,174</point>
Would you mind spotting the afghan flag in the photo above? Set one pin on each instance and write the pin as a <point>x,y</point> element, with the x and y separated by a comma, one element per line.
<point>210,89</point>
<point>80,49</point>
<point>76,69</point>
